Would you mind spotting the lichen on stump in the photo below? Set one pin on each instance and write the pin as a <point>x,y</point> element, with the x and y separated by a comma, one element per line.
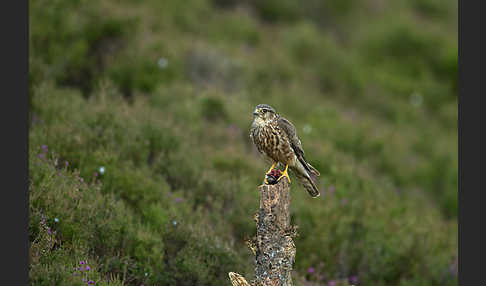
<point>273,246</point>
<point>237,280</point>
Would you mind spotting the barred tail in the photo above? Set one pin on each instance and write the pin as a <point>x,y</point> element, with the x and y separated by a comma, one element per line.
<point>308,167</point>
<point>306,181</point>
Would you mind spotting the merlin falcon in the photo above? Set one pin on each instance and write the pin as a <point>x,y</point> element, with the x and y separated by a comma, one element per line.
<point>276,139</point>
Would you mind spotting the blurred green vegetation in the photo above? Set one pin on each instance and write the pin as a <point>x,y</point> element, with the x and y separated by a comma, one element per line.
<point>139,152</point>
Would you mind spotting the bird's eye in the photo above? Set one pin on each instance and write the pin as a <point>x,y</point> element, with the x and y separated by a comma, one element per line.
<point>264,110</point>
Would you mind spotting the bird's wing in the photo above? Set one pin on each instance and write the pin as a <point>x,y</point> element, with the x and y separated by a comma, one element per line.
<point>296,145</point>
<point>291,132</point>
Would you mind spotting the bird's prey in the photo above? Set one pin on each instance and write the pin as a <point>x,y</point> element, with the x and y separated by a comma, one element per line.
<point>276,138</point>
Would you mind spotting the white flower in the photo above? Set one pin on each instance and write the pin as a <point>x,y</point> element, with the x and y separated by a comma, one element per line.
<point>163,63</point>
<point>307,129</point>
<point>56,219</point>
<point>416,99</point>
<point>102,170</point>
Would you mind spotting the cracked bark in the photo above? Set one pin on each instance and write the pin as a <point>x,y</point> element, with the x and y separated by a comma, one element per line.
<point>273,246</point>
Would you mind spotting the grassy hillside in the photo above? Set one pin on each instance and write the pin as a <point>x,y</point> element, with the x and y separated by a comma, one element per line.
<point>140,162</point>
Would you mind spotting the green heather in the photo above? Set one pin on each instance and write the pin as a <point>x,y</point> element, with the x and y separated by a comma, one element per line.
<point>160,94</point>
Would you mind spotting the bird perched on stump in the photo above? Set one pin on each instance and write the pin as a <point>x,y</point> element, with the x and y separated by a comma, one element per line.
<point>276,138</point>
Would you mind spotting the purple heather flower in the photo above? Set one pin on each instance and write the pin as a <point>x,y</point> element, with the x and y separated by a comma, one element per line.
<point>66,163</point>
<point>311,270</point>
<point>49,230</point>
<point>44,147</point>
<point>178,200</point>
<point>91,282</point>
<point>82,262</point>
<point>332,189</point>
<point>42,156</point>
<point>332,283</point>
<point>88,268</point>
<point>453,269</point>
<point>353,279</point>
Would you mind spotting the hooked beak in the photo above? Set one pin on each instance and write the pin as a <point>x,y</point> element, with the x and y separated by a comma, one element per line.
<point>255,113</point>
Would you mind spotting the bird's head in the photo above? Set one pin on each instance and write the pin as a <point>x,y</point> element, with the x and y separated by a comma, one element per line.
<point>264,113</point>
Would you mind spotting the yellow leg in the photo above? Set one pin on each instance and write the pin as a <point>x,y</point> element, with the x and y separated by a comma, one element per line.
<point>285,173</point>
<point>269,170</point>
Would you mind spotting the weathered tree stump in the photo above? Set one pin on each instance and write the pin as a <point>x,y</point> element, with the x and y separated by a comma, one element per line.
<point>273,246</point>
